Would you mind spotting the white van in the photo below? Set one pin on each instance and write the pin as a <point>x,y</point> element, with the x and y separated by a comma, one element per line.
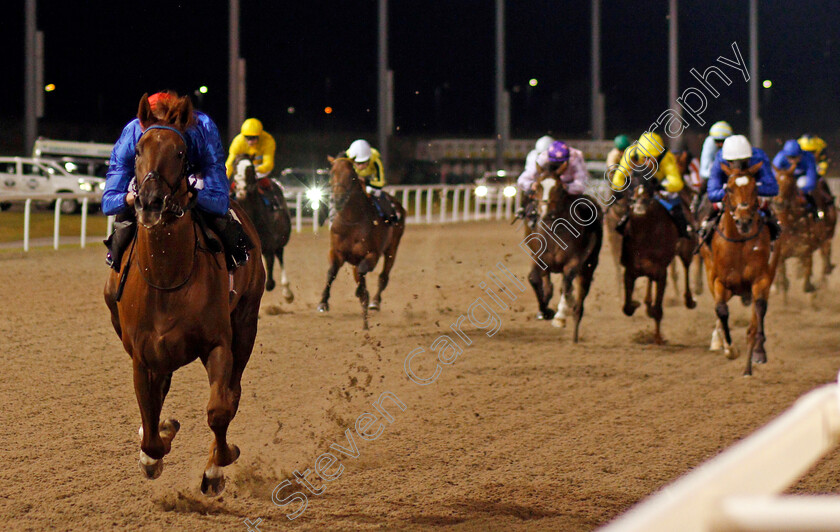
<point>22,175</point>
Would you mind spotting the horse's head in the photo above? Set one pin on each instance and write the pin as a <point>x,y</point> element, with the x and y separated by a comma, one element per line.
<point>643,190</point>
<point>343,180</point>
<point>160,162</point>
<point>787,183</point>
<point>244,176</point>
<point>741,200</point>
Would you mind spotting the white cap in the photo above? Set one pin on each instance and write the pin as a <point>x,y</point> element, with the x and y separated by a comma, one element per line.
<point>544,143</point>
<point>736,147</point>
<point>359,151</point>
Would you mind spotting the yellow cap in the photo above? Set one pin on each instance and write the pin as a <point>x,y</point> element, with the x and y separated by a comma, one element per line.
<point>651,144</point>
<point>252,127</point>
<point>811,144</point>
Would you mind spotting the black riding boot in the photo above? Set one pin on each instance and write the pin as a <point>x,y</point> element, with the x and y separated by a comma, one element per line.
<point>119,240</point>
<point>385,207</point>
<point>772,223</point>
<point>680,221</point>
<point>234,239</point>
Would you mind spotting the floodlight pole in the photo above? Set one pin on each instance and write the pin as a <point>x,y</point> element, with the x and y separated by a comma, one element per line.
<point>673,61</point>
<point>755,120</point>
<point>502,97</point>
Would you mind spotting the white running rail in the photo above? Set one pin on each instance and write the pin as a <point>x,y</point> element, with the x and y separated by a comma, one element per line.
<point>738,489</point>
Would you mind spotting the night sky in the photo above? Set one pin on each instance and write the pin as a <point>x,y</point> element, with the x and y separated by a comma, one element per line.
<point>308,55</point>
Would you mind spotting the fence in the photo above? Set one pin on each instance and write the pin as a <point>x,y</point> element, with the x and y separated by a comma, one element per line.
<point>736,490</point>
<point>424,204</point>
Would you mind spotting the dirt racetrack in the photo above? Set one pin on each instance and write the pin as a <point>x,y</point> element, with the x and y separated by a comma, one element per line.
<point>524,431</point>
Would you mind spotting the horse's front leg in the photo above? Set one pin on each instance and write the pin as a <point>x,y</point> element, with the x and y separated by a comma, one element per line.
<point>284,281</point>
<point>269,270</point>
<point>220,412</point>
<point>155,436</point>
<point>722,295</point>
<point>655,311</point>
<point>686,256</point>
<point>807,266</point>
<point>538,284</point>
<point>335,264</point>
<point>630,306</point>
<point>362,292</point>
<point>566,305</point>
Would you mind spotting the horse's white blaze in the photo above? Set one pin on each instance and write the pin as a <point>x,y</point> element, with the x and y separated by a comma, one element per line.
<point>547,184</point>
<point>742,181</point>
<point>213,471</point>
<point>239,177</point>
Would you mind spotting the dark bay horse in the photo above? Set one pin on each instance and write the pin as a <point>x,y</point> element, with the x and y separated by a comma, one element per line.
<point>648,246</point>
<point>174,305</point>
<point>572,252</point>
<point>741,262</point>
<point>802,234</point>
<point>358,236</point>
<point>273,226</point>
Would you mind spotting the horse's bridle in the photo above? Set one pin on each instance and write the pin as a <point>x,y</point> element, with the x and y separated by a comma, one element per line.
<point>170,203</point>
<point>730,209</point>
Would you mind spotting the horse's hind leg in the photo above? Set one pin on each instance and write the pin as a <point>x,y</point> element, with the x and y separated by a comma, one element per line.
<point>698,275</point>
<point>755,335</point>
<point>722,295</point>
<point>155,436</point>
<point>335,264</point>
<point>655,311</point>
<point>284,281</point>
<point>220,411</point>
<point>807,266</point>
<point>269,270</point>
<point>630,306</point>
<point>362,293</point>
<point>384,276</point>
<point>825,251</point>
<point>686,256</point>
<point>583,282</point>
<point>566,305</point>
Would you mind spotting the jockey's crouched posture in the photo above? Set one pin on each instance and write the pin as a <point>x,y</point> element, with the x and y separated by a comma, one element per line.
<point>253,141</point>
<point>806,174</point>
<point>738,153</point>
<point>560,161</point>
<point>647,151</point>
<point>368,165</point>
<point>205,157</point>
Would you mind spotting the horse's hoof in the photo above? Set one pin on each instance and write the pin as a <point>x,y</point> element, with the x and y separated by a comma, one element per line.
<point>269,285</point>
<point>373,306</point>
<point>658,340</point>
<point>545,315</point>
<point>559,322</point>
<point>288,296</point>
<point>631,308</point>
<point>759,357</point>
<point>809,288</point>
<point>690,303</point>
<point>213,486</point>
<point>150,467</point>
<point>731,352</point>
<point>323,307</point>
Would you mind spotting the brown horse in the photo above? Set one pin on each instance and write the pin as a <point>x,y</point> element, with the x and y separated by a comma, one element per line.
<point>741,262</point>
<point>647,248</point>
<point>802,234</point>
<point>358,236</point>
<point>273,226</point>
<point>573,254</point>
<point>171,305</point>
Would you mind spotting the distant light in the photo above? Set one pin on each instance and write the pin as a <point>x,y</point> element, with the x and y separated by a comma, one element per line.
<point>203,89</point>
<point>481,191</point>
<point>767,84</point>
<point>328,110</point>
<point>501,173</point>
<point>509,191</point>
<point>290,110</point>
<point>50,87</point>
<point>533,82</point>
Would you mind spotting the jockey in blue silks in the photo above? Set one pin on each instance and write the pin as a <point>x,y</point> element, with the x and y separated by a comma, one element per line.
<point>738,153</point>
<point>206,158</point>
<point>805,173</point>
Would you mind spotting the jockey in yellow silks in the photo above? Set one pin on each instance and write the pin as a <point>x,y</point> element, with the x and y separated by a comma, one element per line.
<point>260,146</point>
<point>368,165</point>
<point>650,149</point>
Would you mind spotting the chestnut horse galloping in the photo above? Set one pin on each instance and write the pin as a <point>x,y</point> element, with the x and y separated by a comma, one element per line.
<point>575,256</point>
<point>802,234</point>
<point>171,305</point>
<point>358,236</point>
<point>741,262</point>
<point>273,226</point>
